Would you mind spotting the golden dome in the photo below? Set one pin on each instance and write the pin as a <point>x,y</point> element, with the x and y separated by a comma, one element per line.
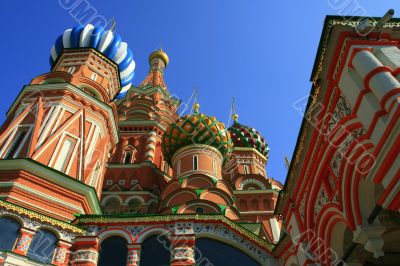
<point>159,54</point>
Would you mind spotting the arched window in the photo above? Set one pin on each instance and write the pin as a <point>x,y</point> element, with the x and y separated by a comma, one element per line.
<point>113,251</point>
<point>199,210</point>
<point>246,169</point>
<point>9,229</point>
<point>93,76</point>
<point>111,206</point>
<point>195,162</point>
<point>214,167</point>
<point>166,167</point>
<point>134,206</point>
<point>155,245</point>
<point>42,246</point>
<point>128,157</point>
<point>15,145</point>
<point>211,252</point>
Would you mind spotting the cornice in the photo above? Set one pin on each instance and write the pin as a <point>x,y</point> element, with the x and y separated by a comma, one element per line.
<point>43,218</point>
<point>47,173</point>
<point>141,219</point>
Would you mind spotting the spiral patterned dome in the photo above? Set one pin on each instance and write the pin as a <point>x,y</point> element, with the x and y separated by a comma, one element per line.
<point>106,42</point>
<point>195,129</point>
<point>246,137</point>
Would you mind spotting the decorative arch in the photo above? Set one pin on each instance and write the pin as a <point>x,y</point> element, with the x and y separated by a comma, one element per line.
<point>198,181</point>
<point>180,197</point>
<point>121,232</point>
<point>191,207</point>
<point>13,216</point>
<point>142,236</point>
<point>134,197</point>
<point>106,198</point>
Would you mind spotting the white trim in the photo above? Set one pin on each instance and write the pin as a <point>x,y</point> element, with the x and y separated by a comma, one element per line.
<point>178,167</point>
<point>45,131</point>
<point>275,229</point>
<point>42,195</point>
<point>195,162</point>
<point>28,132</point>
<point>77,91</point>
<point>53,176</point>
<point>92,145</point>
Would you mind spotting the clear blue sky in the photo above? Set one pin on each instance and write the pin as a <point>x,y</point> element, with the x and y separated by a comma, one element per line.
<point>261,52</point>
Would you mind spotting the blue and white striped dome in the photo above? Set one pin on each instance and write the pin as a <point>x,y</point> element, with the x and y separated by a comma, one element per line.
<point>106,42</point>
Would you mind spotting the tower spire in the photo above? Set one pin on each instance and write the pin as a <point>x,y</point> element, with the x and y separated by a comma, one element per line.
<point>235,116</point>
<point>158,62</point>
<point>196,105</point>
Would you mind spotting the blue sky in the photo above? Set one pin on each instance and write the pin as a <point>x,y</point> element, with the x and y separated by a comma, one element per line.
<point>260,52</point>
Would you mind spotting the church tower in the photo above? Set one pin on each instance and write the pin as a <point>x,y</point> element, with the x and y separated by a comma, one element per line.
<point>137,170</point>
<point>256,193</point>
<point>62,127</point>
<point>195,145</point>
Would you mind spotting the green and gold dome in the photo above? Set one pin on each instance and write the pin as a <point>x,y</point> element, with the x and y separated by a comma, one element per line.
<point>196,128</point>
<point>247,137</point>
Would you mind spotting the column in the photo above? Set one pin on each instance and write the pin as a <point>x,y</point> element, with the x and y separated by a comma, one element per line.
<point>133,255</point>
<point>370,236</point>
<point>376,76</point>
<point>151,145</point>
<point>24,241</point>
<point>61,254</point>
<point>85,251</point>
<point>182,250</point>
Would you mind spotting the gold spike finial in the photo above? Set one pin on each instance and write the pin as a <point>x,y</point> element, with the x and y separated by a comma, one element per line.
<point>235,116</point>
<point>196,105</point>
<point>287,162</point>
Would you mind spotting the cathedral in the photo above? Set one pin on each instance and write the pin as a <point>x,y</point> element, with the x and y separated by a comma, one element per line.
<point>96,169</point>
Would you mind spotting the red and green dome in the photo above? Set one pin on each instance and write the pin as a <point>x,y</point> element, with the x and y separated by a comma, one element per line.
<point>246,137</point>
<point>195,129</point>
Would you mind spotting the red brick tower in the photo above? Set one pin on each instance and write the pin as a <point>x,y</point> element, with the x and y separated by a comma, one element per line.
<point>137,170</point>
<point>195,145</point>
<point>255,193</point>
<point>61,128</point>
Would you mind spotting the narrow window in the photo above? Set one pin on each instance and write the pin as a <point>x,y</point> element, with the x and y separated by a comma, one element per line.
<point>214,168</point>
<point>94,76</point>
<point>71,70</point>
<point>246,169</point>
<point>11,153</point>
<point>166,167</point>
<point>195,163</point>
<point>128,157</point>
<point>178,168</point>
<point>62,160</point>
<point>95,173</point>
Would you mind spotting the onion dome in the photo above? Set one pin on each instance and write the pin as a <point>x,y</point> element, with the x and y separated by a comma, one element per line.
<point>196,128</point>
<point>246,137</point>
<point>106,42</point>
<point>159,54</point>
